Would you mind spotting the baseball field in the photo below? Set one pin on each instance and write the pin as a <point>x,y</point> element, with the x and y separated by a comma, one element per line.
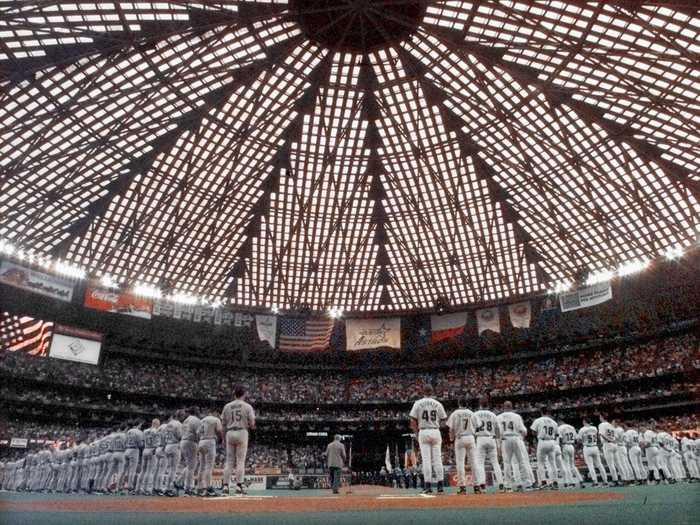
<point>653,505</point>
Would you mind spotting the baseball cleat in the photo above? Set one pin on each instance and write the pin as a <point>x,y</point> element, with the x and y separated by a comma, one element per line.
<point>462,490</point>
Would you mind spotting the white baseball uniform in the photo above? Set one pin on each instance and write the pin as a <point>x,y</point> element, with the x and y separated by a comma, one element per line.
<point>631,439</point>
<point>567,438</point>
<point>429,413</point>
<point>622,455</point>
<point>664,457</point>
<point>546,430</point>
<point>486,430</point>
<point>688,450</point>
<point>651,448</point>
<point>515,458</point>
<point>607,436</point>
<point>461,428</point>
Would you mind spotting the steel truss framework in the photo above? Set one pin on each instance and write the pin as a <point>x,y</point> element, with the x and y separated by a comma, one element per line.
<point>214,148</point>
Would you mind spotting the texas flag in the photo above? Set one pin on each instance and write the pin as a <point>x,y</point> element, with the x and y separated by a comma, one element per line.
<point>447,326</point>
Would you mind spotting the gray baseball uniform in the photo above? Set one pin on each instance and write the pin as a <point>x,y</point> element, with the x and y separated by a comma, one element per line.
<point>237,417</point>
<point>209,428</point>
<point>188,449</point>
<point>134,444</point>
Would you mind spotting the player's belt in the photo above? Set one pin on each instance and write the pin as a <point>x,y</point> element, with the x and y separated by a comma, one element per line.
<point>511,435</point>
<point>466,434</point>
<point>546,439</point>
<point>237,428</point>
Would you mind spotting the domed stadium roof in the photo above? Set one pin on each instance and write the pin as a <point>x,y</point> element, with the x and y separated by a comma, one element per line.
<point>366,155</point>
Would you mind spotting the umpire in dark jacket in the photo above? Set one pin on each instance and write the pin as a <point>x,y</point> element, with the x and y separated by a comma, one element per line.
<point>335,458</point>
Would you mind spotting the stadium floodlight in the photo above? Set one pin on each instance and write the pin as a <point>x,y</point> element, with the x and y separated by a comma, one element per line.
<point>632,267</point>
<point>184,298</point>
<point>216,303</point>
<point>335,313</point>
<point>6,247</point>
<point>600,277</point>
<point>673,253</point>
<point>147,290</point>
<point>69,270</point>
<point>561,287</point>
<point>107,281</point>
<point>275,309</point>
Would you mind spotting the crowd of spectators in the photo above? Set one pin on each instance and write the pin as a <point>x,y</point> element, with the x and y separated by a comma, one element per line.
<point>115,410</point>
<point>177,380</point>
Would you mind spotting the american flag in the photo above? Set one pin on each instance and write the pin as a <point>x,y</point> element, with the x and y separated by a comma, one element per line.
<point>25,334</point>
<point>304,334</point>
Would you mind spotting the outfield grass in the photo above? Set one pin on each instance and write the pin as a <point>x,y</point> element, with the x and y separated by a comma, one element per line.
<point>655,505</point>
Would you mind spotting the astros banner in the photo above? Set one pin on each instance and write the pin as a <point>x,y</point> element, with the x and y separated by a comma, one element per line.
<point>488,319</point>
<point>118,302</point>
<point>366,334</point>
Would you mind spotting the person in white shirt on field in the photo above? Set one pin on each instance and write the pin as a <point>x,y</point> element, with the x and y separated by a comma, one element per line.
<point>515,459</point>
<point>567,437</point>
<point>650,442</point>
<point>462,434</point>
<point>691,463</point>
<point>427,416</point>
<point>486,430</point>
<point>626,472</point>
<point>606,431</point>
<point>546,430</point>
<point>634,451</point>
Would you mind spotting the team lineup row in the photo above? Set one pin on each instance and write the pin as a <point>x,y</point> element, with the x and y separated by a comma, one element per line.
<point>479,435</point>
<point>180,453</point>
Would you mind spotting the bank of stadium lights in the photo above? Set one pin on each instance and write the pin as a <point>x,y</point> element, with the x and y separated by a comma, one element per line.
<point>275,310</point>
<point>6,248</point>
<point>600,277</point>
<point>69,270</point>
<point>673,253</point>
<point>148,291</point>
<point>632,267</point>
<point>107,281</point>
<point>335,313</point>
<point>561,287</point>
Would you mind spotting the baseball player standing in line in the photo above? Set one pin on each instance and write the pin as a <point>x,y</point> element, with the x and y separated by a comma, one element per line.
<point>462,434</point>
<point>210,428</point>
<point>514,454</point>
<point>607,435</point>
<point>134,444</point>
<point>148,458</point>
<point>651,449</point>
<point>664,458</point>
<point>427,416</point>
<point>173,435</point>
<point>631,438</point>
<point>118,457</point>
<point>238,417</point>
<point>567,437</point>
<point>105,462</point>
<point>188,449</point>
<point>622,458</point>
<point>546,430</point>
<point>487,430</point>
<point>159,477</point>
<point>687,449</point>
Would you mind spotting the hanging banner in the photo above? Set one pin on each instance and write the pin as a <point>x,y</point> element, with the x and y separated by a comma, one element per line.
<point>447,326</point>
<point>267,328</point>
<point>76,344</point>
<point>585,297</point>
<point>118,302</point>
<point>19,442</point>
<point>488,319</point>
<point>38,282</point>
<point>365,334</point>
<point>520,314</point>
